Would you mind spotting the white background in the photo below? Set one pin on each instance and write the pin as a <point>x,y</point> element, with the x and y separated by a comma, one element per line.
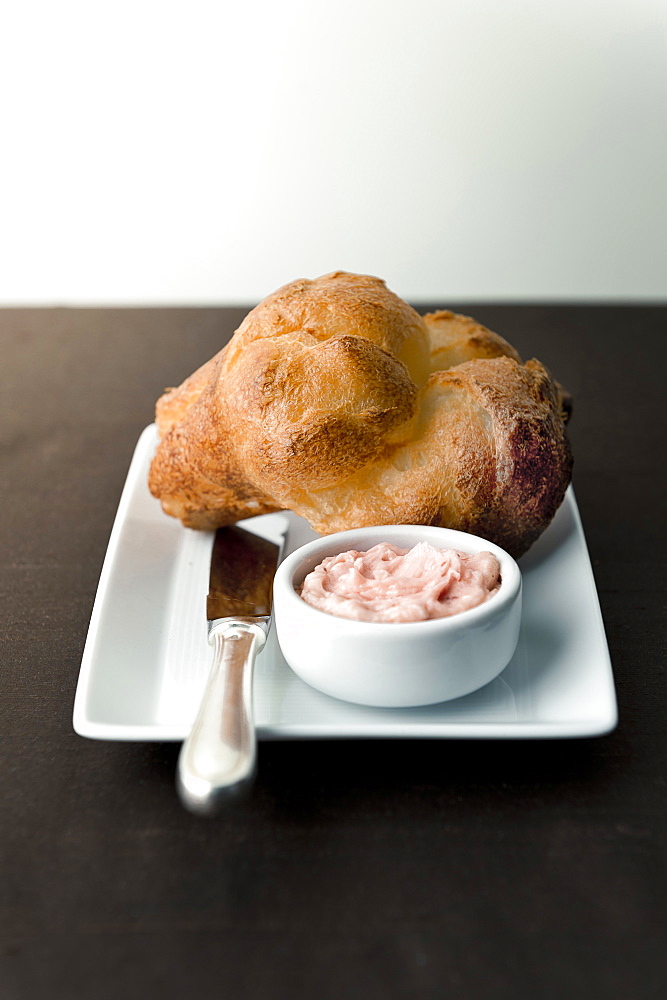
<point>207,152</point>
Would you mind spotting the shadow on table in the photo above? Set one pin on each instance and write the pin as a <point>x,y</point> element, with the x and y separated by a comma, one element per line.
<point>298,778</point>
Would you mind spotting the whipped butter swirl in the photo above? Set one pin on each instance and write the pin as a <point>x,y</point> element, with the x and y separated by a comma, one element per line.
<point>391,584</point>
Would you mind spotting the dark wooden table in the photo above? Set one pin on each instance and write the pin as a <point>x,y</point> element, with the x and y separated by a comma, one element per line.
<point>357,869</point>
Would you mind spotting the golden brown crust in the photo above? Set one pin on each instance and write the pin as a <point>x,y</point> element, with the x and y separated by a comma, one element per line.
<point>323,403</point>
<point>456,338</point>
<point>173,405</point>
<point>337,304</point>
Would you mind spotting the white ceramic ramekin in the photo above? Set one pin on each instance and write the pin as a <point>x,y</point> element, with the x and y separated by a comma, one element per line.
<point>396,664</point>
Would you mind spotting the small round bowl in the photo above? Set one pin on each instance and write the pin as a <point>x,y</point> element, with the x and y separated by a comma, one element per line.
<point>397,664</point>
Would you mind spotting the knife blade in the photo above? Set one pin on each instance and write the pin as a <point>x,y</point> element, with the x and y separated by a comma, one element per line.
<point>217,762</point>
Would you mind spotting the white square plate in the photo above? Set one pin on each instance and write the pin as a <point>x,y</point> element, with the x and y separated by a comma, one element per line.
<point>146,656</point>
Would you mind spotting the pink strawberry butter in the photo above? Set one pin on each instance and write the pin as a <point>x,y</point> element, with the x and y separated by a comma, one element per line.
<point>391,584</point>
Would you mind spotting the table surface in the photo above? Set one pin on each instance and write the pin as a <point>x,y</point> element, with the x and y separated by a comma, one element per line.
<point>357,868</point>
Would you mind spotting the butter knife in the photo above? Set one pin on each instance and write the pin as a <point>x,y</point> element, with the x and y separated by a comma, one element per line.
<point>217,762</point>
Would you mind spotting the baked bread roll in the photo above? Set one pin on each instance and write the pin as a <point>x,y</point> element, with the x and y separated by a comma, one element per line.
<point>335,399</point>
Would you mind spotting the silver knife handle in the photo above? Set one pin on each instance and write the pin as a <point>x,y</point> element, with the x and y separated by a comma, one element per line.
<point>218,759</point>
